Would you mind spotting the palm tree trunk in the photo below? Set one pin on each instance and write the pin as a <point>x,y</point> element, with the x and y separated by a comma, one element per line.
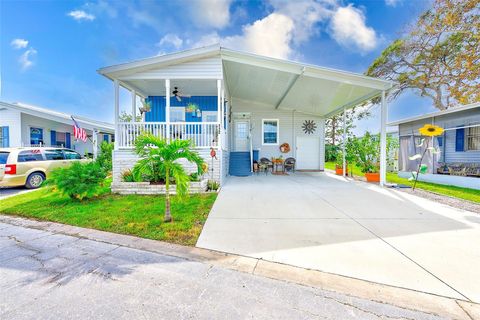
<point>168,216</point>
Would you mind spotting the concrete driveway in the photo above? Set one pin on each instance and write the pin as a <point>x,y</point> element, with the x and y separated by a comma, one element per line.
<point>324,222</point>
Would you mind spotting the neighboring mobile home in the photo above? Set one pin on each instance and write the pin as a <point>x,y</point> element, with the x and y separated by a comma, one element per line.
<point>458,162</point>
<point>243,106</point>
<point>23,125</point>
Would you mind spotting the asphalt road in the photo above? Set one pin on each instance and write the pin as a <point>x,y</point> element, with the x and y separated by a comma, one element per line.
<point>9,192</point>
<point>54,276</point>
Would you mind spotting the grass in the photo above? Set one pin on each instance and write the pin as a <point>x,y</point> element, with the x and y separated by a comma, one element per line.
<point>136,215</point>
<point>451,191</point>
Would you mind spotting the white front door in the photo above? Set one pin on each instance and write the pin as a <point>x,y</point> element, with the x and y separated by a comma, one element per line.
<point>308,153</point>
<point>242,128</point>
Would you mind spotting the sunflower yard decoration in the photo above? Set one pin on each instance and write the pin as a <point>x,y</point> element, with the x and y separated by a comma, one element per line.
<point>309,126</point>
<point>430,131</point>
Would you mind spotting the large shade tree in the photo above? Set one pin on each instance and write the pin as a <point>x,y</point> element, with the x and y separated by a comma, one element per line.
<point>439,57</point>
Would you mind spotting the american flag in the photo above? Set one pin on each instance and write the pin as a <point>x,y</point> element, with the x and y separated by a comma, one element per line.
<point>79,133</point>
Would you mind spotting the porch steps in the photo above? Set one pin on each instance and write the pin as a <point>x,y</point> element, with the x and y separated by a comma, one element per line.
<point>239,164</point>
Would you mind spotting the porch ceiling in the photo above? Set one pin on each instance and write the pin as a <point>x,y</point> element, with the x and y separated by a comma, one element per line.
<point>297,88</point>
<point>156,87</point>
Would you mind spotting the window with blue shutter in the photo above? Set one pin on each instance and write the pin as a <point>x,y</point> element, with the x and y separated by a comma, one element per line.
<point>105,137</point>
<point>68,140</point>
<point>5,140</point>
<point>460,140</point>
<point>36,136</point>
<point>440,141</point>
<point>53,138</point>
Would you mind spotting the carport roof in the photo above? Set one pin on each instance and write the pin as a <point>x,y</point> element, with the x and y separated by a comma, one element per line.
<point>279,83</point>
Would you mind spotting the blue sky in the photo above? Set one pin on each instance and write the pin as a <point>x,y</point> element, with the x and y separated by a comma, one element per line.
<point>50,50</point>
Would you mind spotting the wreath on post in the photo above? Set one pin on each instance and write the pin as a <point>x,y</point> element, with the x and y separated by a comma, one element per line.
<point>285,148</point>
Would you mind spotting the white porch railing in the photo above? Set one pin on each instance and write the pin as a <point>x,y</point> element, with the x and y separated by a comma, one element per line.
<point>202,134</point>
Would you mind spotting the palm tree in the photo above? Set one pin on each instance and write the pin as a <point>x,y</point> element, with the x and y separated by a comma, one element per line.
<point>159,161</point>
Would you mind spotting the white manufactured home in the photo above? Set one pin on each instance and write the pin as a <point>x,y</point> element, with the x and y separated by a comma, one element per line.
<point>244,106</point>
<point>23,125</point>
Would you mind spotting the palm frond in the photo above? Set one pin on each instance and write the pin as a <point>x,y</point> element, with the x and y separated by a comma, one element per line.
<point>182,180</point>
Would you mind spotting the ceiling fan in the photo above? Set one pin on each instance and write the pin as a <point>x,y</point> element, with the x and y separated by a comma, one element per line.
<point>177,94</point>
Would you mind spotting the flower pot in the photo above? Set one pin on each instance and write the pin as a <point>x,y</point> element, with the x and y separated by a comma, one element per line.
<point>339,171</point>
<point>372,177</point>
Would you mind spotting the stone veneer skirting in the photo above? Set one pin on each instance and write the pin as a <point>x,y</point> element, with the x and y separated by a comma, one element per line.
<point>147,188</point>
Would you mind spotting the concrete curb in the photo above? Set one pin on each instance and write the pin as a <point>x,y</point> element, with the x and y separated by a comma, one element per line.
<point>400,297</point>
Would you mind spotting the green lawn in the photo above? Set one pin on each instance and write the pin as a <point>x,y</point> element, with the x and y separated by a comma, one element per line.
<point>132,214</point>
<point>452,191</point>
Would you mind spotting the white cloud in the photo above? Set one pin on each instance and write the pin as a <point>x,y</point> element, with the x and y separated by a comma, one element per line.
<point>81,15</point>
<point>349,29</point>
<point>270,36</point>
<point>25,59</point>
<point>209,13</point>
<point>306,15</point>
<point>19,43</point>
<point>392,3</point>
<point>171,39</point>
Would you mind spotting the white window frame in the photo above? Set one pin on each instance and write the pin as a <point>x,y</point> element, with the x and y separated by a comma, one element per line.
<point>177,109</point>
<point>468,136</point>
<point>209,113</point>
<point>263,132</point>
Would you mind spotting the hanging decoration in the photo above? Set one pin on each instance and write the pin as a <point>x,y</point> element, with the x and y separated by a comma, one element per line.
<point>309,126</point>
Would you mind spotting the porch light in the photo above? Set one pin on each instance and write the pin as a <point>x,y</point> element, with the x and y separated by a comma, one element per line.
<point>199,113</point>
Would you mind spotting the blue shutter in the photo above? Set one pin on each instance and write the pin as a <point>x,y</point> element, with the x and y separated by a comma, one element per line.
<point>105,137</point>
<point>68,143</point>
<point>440,141</point>
<point>5,140</point>
<point>460,140</point>
<point>53,138</point>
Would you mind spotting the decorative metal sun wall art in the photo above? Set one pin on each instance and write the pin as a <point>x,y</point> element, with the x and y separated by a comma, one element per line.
<point>309,126</point>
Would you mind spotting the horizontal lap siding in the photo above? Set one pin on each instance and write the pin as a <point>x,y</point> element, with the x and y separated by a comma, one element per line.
<point>290,127</point>
<point>452,120</point>
<point>208,68</point>
<point>12,119</point>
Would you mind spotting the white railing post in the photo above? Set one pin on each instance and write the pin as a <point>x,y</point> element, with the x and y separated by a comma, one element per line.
<point>117,113</point>
<point>383,141</point>
<point>219,111</point>
<point>134,106</point>
<point>167,108</point>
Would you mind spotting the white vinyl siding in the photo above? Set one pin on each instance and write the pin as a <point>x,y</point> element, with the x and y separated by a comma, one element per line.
<point>451,120</point>
<point>207,68</point>
<point>290,128</point>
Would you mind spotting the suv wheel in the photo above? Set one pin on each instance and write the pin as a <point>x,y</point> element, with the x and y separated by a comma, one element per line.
<point>35,180</point>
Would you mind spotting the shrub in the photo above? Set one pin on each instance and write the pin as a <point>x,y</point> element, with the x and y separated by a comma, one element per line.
<point>194,176</point>
<point>331,152</point>
<point>104,158</point>
<point>212,185</point>
<point>79,181</point>
<point>127,176</point>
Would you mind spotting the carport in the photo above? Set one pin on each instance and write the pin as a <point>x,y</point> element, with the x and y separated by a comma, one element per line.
<point>333,224</point>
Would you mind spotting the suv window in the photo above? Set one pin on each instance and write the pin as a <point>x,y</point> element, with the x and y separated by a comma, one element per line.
<point>69,154</point>
<point>3,157</point>
<point>54,154</point>
<point>29,155</point>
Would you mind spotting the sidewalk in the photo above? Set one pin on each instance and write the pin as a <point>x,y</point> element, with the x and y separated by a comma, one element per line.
<point>49,270</point>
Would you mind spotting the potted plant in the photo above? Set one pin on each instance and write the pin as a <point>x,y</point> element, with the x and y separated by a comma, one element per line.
<point>339,164</point>
<point>367,156</point>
